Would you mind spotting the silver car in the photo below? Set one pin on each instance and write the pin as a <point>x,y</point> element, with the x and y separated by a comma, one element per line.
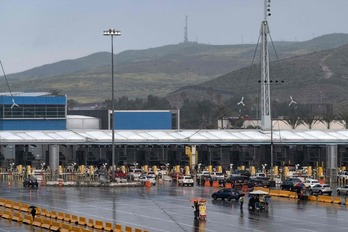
<point>342,190</point>
<point>321,189</point>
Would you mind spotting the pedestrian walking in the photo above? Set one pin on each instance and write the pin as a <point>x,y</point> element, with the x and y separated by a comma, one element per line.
<point>241,201</point>
<point>33,212</point>
<point>196,209</point>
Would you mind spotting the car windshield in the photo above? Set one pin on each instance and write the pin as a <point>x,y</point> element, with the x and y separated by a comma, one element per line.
<point>326,186</point>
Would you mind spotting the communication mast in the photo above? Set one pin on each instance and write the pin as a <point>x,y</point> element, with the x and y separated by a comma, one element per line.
<point>265,87</point>
<point>185,35</point>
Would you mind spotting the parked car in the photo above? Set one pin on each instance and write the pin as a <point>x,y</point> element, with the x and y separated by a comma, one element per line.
<point>258,182</point>
<point>226,193</point>
<point>321,189</point>
<point>242,173</point>
<point>145,178</point>
<point>134,174</point>
<point>259,174</point>
<point>203,173</point>
<point>167,178</point>
<point>186,181</point>
<point>217,176</point>
<point>342,190</point>
<point>289,184</point>
<point>31,181</point>
<point>176,175</point>
<point>120,174</point>
<point>151,173</point>
<point>237,179</point>
<point>343,175</point>
<point>309,183</point>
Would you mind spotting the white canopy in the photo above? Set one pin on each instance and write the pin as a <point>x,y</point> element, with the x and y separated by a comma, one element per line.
<point>218,137</point>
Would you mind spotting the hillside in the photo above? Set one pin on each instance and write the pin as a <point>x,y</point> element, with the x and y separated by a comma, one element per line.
<point>318,77</point>
<point>158,71</point>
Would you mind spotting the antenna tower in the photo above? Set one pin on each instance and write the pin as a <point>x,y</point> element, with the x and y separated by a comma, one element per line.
<point>185,35</point>
<point>265,87</point>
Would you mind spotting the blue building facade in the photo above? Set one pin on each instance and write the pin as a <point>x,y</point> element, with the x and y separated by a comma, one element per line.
<point>143,120</point>
<point>33,112</point>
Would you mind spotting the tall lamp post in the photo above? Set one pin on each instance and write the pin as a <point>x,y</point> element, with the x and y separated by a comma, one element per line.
<point>112,33</point>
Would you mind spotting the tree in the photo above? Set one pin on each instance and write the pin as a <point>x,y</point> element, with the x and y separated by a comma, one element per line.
<point>310,120</point>
<point>293,120</point>
<point>327,119</point>
<point>71,103</point>
<point>343,118</point>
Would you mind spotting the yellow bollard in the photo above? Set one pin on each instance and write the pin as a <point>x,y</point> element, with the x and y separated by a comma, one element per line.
<point>82,169</point>
<point>187,170</point>
<point>28,169</point>
<point>154,169</point>
<point>320,172</point>
<point>20,169</point>
<point>252,170</point>
<point>146,168</point>
<point>177,168</point>
<point>309,171</point>
<point>91,170</point>
<point>286,171</point>
<point>219,168</point>
<point>275,171</point>
<point>210,169</point>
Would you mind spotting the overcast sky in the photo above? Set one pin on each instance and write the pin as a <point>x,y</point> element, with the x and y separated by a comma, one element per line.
<point>38,32</point>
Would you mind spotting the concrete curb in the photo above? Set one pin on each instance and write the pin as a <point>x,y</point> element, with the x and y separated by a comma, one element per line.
<point>92,184</point>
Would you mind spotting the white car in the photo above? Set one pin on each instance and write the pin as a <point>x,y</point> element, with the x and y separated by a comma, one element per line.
<point>203,175</point>
<point>309,183</point>
<point>167,178</point>
<point>144,179</point>
<point>186,181</point>
<point>134,174</point>
<point>217,176</point>
<point>321,189</point>
<point>342,190</point>
<point>260,175</point>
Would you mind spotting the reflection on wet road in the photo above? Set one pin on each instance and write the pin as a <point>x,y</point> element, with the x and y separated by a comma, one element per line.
<point>168,208</point>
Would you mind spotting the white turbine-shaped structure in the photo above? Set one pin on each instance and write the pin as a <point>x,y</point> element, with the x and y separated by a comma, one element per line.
<point>14,104</point>
<point>292,101</point>
<point>241,102</point>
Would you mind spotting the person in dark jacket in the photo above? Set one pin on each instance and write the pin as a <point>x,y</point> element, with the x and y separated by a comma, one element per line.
<point>196,209</point>
<point>33,213</point>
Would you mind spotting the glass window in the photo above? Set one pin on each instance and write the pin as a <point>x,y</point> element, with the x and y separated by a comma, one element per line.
<point>33,111</point>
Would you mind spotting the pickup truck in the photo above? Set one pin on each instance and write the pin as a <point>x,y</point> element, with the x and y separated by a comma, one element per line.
<point>185,181</point>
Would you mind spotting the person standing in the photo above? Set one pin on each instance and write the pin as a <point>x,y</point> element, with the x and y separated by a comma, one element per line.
<point>241,201</point>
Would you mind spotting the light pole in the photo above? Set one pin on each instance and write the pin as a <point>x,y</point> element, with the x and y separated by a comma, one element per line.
<point>112,33</point>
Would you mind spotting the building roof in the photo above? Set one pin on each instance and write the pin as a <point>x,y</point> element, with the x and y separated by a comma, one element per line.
<point>218,137</point>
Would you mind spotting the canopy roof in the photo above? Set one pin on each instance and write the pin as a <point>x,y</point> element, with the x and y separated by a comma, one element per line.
<point>218,137</point>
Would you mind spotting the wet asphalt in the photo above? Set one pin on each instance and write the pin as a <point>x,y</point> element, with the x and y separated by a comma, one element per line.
<point>167,207</point>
